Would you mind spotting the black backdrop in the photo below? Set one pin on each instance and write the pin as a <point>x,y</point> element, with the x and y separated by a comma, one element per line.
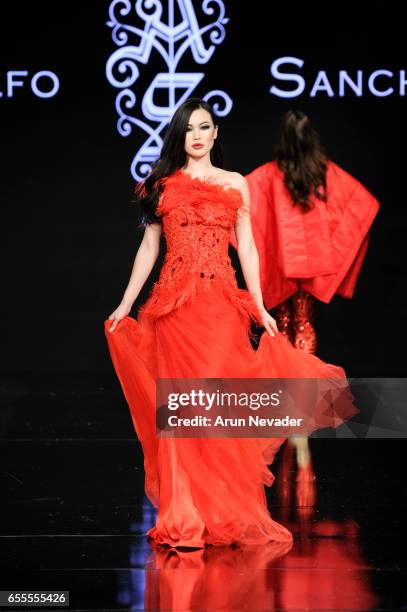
<point>69,231</point>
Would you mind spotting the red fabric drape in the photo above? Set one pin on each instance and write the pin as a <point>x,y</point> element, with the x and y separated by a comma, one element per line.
<point>321,250</point>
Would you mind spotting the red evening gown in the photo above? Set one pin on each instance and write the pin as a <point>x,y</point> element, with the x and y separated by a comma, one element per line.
<point>195,325</point>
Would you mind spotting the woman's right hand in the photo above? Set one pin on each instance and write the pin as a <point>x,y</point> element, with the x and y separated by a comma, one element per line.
<point>117,315</point>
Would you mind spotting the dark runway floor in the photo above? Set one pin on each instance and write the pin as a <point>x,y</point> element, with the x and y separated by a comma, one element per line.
<point>73,515</point>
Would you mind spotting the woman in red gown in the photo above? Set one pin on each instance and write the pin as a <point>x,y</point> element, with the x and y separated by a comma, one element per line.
<point>311,223</point>
<point>195,323</point>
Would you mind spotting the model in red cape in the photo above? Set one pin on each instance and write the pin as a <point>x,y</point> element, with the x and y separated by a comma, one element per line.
<point>195,323</point>
<point>311,223</point>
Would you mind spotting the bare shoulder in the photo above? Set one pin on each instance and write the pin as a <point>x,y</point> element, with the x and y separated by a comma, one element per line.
<point>234,179</point>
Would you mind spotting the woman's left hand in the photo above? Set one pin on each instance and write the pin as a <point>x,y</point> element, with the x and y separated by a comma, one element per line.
<point>269,324</point>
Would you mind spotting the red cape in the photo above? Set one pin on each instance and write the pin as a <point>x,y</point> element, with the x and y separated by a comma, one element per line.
<point>321,250</point>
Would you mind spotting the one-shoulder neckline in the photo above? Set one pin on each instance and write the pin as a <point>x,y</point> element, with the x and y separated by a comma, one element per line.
<point>210,181</point>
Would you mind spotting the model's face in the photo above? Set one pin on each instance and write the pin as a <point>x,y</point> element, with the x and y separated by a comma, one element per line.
<point>200,134</point>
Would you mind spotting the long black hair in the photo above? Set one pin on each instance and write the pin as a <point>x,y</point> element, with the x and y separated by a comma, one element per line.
<point>302,158</point>
<point>172,158</point>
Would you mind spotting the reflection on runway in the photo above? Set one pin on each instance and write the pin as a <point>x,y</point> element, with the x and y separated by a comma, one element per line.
<point>323,569</point>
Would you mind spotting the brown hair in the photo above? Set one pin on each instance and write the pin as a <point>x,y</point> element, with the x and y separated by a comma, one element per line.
<point>300,155</point>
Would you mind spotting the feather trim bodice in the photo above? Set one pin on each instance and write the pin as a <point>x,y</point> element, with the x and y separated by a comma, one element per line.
<point>198,217</point>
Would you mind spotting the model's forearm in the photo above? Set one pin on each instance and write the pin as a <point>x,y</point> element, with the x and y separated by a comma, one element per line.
<point>143,264</point>
<point>249,261</point>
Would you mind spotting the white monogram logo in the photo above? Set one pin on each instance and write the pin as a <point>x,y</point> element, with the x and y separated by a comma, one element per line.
<point>170,35</point>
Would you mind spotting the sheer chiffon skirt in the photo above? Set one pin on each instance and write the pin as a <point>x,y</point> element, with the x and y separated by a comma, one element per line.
<point>207,490</point>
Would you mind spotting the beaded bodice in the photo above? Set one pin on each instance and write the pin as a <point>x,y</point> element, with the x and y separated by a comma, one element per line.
<point>198,217</point>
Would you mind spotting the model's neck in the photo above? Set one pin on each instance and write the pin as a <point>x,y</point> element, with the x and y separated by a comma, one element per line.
<point>198,167</point>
